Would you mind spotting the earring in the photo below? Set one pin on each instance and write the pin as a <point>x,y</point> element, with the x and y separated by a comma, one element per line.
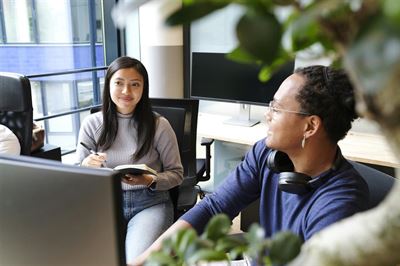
<point>303,141</point>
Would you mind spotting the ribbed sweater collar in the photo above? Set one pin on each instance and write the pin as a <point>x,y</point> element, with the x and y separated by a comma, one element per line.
<point>119,115</point>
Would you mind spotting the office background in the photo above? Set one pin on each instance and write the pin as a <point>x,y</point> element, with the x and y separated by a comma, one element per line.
<point>45,39</point>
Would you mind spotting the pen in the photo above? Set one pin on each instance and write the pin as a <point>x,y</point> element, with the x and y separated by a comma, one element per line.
<point>93,152</point>
<point>89,149</point>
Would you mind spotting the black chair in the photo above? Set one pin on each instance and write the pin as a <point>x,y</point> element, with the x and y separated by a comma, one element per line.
<point>182,115</point>
<point>379,185</point>
<point>16,111</point>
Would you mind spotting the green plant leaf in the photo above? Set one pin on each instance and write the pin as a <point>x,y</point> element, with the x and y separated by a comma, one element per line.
<point>375,55</point>
<point>255,233</point>
<point>306,28</point>
<point>267,70</point>
<point>285,246</point>
<point>196,246</point>
<point>196,10</point>
<point>241,56</point>
<point>207,255</point>
<point>168,246</point>
<point>160,258</point>
<point>305,32</point>
<point>283,2</point>
<point>229,242</point>
<point>391,9</point>
<point>257,242</point>
<point>183,239</point>
<point>237,252</point>
<point>217,227</point>
<point>266,261</point>
<point>260,35</point>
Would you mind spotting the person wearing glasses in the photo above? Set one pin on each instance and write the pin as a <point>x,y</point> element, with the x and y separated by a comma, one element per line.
<point>297,172</point>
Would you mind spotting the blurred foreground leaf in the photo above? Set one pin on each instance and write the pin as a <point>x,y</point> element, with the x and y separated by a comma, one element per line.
<point>284,247</point>
<point>196,10</point>
<point>259,34</point>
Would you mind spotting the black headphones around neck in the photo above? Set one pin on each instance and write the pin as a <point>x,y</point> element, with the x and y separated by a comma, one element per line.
<point>294,182</point>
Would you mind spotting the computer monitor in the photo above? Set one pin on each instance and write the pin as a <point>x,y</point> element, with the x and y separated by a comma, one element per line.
<point>57,214</point>
<point>217,78</point>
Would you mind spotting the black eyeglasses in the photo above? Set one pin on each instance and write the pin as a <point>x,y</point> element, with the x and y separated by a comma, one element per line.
<point>273,110</point>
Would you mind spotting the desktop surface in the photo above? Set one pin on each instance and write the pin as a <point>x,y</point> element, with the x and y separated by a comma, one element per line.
<point>55,214</point>
<point>356,146</point>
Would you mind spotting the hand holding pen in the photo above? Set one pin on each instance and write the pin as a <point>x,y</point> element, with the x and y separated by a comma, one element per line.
<point>95,159</point>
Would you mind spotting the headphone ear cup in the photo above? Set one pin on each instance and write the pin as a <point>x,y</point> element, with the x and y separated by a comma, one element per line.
<point>292,182</point>
<point>279,161</point>
<point>289,181</point>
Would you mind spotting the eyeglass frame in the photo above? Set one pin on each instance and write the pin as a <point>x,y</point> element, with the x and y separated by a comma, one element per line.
<point>275,109</point>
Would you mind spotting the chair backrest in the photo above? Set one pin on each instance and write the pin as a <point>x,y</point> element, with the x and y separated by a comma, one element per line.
<point>16,111</point>
<point>182,115</point>
<point>185,130</point>
<point>379,183</point>
<point>176,117</point>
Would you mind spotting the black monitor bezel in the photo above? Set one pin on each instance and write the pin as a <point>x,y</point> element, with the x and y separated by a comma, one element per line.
<point>272,84</point>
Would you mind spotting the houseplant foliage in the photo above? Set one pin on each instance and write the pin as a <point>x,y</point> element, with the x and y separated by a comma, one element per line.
<point>216,244</point>
<point>363,37</point>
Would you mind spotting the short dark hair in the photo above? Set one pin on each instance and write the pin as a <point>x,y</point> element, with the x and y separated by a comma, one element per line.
<point>329,94</point>
<point>143,114</point>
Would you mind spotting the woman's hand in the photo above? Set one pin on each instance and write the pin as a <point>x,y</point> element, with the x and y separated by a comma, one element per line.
<point>137,179</point>
<point>95,160</point>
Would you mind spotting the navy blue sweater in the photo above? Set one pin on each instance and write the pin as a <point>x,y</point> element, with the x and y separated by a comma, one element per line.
<point>342,193</point>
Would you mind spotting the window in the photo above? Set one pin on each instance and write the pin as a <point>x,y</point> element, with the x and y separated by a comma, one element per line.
<point>54,21</point>
<point>41,37</point>
<point>37,100</point>
<point>85,93</point>
<point>99,22</point>
<point>80,21</point>
<point>1,23</point>
<point>18,21</point>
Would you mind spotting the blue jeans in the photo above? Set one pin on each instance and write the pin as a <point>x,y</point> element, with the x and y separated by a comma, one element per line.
<point>148,214</point>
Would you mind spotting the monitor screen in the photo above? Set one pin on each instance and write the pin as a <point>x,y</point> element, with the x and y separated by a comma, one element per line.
<point>215,77</point>
<point>57,214</point>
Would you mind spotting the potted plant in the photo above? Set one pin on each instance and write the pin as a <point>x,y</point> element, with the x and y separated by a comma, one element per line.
<point>186,247</point>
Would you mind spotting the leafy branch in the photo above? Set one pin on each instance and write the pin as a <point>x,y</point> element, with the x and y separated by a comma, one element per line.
<point>186,247</point>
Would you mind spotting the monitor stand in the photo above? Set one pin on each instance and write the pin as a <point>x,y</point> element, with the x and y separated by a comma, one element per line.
<point>243,119</point>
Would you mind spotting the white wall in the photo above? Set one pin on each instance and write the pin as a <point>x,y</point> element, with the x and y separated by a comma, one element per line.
<point>161,47</point>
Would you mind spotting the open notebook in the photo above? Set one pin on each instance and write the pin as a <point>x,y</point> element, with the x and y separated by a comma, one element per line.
<point>56,214</point>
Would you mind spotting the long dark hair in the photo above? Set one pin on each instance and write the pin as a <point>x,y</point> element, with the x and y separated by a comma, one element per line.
<point>143,115</point>
<point>328,93</point>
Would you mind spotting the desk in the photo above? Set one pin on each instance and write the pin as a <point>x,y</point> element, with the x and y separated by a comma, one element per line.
<point>356,146</point>
<point>361,147</point>
<point>48,151</point>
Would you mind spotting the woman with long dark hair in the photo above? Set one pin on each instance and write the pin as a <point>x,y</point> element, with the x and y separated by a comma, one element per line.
<point>128,132</point>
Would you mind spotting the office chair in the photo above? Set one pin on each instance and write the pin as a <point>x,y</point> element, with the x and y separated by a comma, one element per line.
<point>16,110</point>
<point>182,115</point>
<point>379,185</point>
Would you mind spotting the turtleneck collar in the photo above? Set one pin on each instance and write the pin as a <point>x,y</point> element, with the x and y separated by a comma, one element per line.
<point>124,115</point>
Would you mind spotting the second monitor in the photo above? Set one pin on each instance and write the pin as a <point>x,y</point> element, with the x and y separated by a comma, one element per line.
<point>215,77</point>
